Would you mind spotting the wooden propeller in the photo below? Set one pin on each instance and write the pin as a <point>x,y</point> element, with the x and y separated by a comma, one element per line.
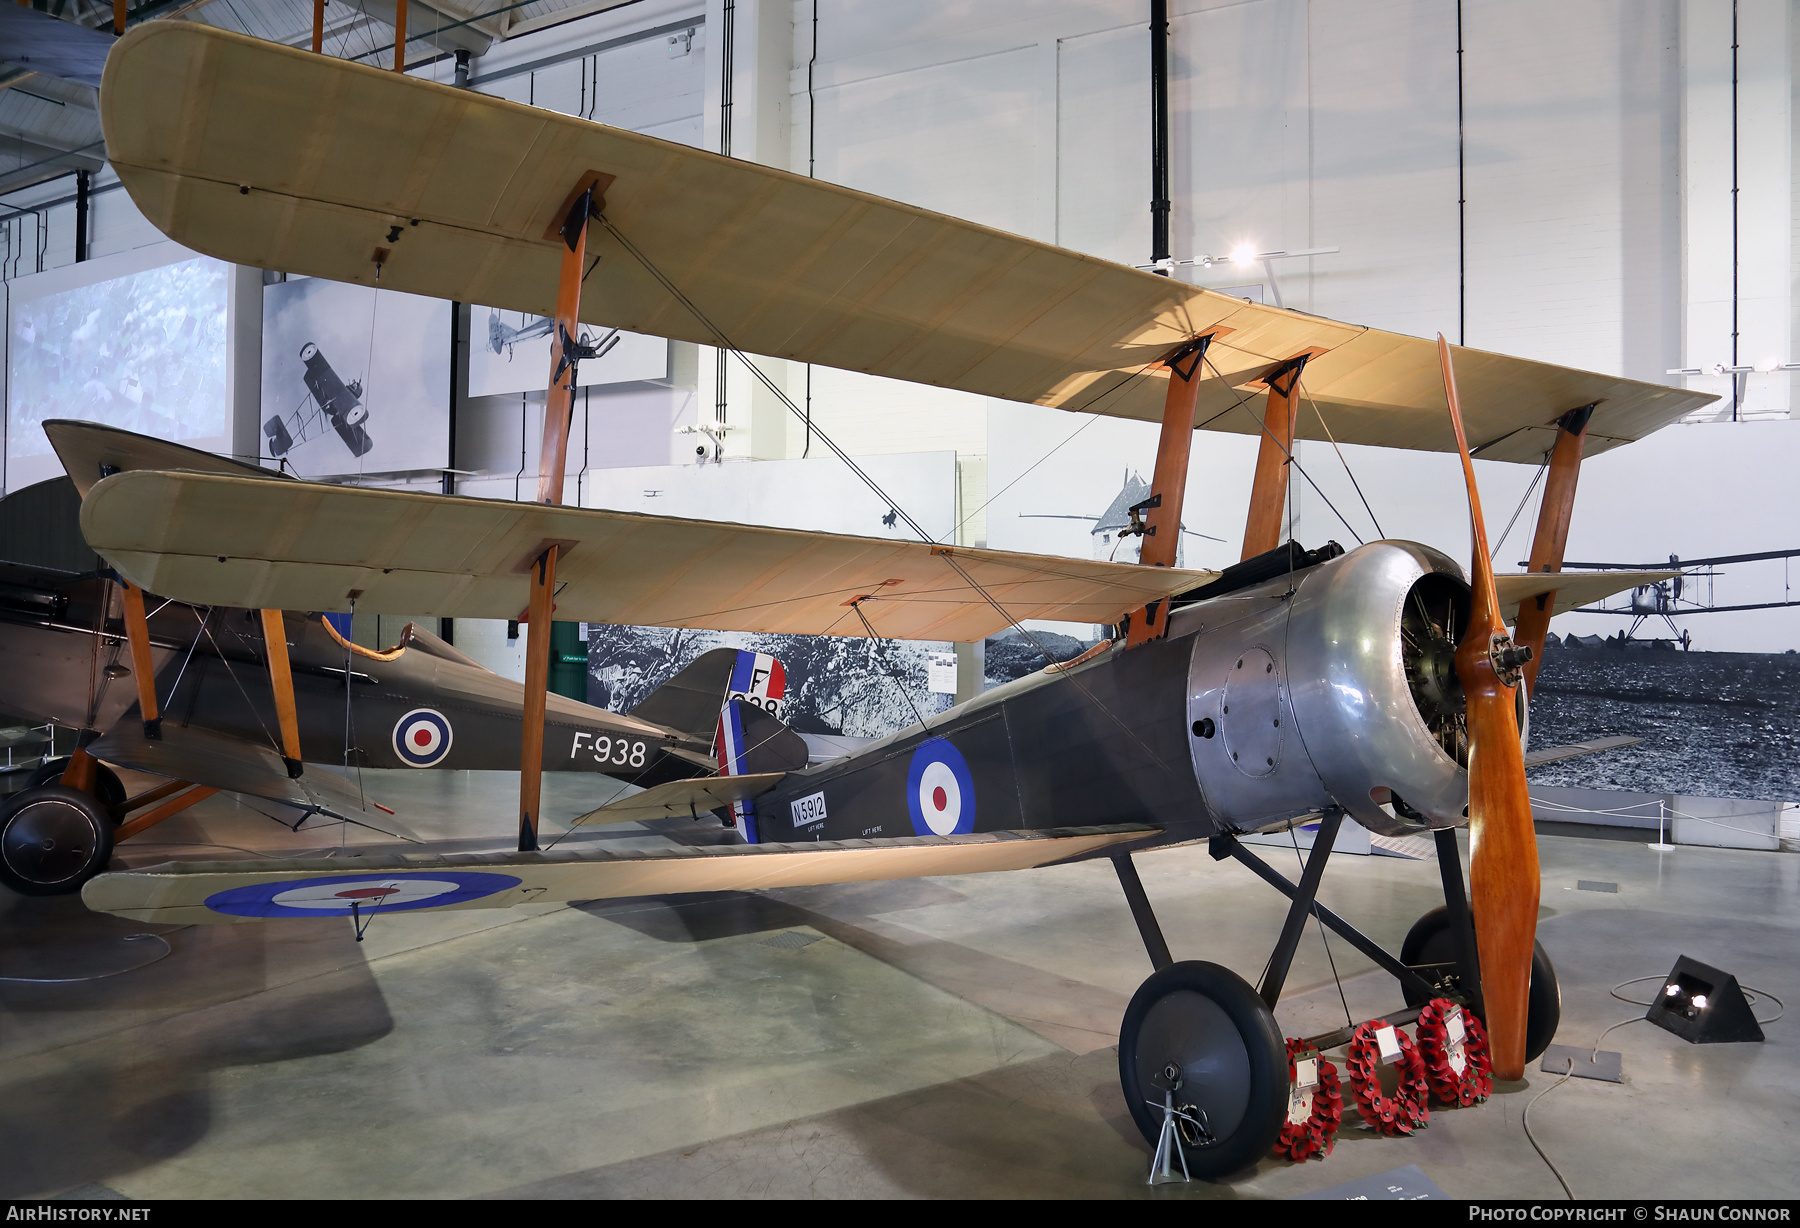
<point>1503,859</point>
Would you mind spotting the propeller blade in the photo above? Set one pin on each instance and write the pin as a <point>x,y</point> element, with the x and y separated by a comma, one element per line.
<point>1503,858</point>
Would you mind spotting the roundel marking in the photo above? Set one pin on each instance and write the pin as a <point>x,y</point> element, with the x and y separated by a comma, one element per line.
<point>940,792</point>
<point>422,738</point>
<point>339,894</point>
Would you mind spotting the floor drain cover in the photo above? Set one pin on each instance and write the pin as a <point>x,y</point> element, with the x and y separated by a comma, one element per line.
<point>790,940</point>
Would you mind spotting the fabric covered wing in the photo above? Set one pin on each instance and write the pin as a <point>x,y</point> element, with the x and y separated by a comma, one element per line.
<point>182,892</point>
<point>237,765</point>
<point>683,798</point>
<point>1572,588</point>
<point>269,544</point>
<point>89,449</point>
<point>266,155</point>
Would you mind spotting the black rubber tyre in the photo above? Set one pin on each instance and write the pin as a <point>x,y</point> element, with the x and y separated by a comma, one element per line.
<point>107,786</point>
<point>52,840</point>
<point>1209,1023</point>
<point>1430,942</point>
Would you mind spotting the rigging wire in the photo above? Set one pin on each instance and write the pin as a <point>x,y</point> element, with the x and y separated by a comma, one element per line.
<point>726,344</point>
<point>1542,469</point>
<point>1292,460</point>
<point>1379,531</point>
<point>856,608</point>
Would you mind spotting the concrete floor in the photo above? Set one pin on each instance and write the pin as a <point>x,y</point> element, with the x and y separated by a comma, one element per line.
<point>943,1037</point>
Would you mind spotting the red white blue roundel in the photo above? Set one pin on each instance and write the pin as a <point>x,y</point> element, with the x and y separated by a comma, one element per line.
<point>422,738</point>
<point>939,790</point>
<point>339,895</point>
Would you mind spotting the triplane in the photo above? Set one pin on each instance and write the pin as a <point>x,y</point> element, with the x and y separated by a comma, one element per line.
<point>1376,685</point>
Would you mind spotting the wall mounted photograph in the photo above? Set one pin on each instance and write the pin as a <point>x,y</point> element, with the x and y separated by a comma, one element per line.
<point>354,380</point>
<point>136,341</point>
<point>509,352</point>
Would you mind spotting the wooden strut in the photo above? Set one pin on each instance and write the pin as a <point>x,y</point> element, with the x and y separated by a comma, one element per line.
<point>400,36</point>
<point>1533,621</point>
<point>1268,493</point>
<point>559,406</point>
<point>318,26</point>
<point>281,683</point>
<point>137,636</point>
<point>168,809</point>
<point>1168,485</point>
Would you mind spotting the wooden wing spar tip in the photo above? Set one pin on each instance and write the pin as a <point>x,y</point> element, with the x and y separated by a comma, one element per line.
<point>217,136</point>
<point>266,544</point>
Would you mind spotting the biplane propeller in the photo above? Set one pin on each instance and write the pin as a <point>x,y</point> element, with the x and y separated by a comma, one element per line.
<point>1373,684</point>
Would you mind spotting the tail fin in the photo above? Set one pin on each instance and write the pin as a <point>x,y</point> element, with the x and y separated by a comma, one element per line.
<point>690,701</point>
<point>751,740</point>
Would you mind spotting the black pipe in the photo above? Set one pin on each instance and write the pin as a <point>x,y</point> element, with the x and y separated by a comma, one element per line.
<point>1159,133</point>
<point>82,179</point>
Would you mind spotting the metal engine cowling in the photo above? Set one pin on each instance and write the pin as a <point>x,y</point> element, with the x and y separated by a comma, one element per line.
<point>1334,685</point>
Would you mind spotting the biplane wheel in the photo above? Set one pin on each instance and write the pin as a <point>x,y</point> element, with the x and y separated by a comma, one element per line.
<point>52,840</point>
<point>1431,942</point>
<point>1210,1026</point>
<point>107,786</point>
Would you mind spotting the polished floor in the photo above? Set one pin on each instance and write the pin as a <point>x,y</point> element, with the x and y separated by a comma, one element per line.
<point>943,1037</point>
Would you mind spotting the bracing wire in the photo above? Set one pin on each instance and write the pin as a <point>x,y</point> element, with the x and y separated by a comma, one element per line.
<point>1348,472</point>
<point>1523,499</point>
<point>1292,460</point>
<point>875,642</point>
<point>725,343</point>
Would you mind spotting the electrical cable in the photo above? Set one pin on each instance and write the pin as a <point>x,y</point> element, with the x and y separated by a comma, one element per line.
<point>1525,1120</point>
<point>1749,991</point>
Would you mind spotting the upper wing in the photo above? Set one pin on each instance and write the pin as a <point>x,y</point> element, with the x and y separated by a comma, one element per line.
<point>287,545</point>
<point>1572,588</point>
<point>186,891</point>
<point>267,155</point>
<point>238,765</point>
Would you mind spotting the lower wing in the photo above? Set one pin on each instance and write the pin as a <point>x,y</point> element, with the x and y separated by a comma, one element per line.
<point>361,887</point>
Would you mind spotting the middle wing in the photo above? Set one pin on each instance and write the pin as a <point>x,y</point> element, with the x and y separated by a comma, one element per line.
<point>211,539</point>
<point>1572,588</point>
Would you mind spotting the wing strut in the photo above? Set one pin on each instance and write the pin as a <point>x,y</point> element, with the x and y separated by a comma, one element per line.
<point>281,684</point>
<point>137,635</point>
<point>1533,619</point>
<point>559,406</point>
<point>1268,492</point>
<point>1162,525</point>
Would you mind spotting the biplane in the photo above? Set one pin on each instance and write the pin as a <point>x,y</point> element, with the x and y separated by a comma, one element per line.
<point>1379,686</point>
<point>329,401</point>
<point>502,337</point>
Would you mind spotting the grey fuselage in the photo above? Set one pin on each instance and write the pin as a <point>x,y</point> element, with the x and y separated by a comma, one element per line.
<point>1260,706</point>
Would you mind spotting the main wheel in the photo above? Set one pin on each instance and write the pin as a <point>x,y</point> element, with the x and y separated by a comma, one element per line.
<point>107,786</point>
<point>52,840</point>
<point>1205,1025</point>
<point>1431,942</point>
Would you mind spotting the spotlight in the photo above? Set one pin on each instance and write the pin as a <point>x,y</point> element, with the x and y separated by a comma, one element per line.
<point>1243,253</point>
<point>1703,1006</point>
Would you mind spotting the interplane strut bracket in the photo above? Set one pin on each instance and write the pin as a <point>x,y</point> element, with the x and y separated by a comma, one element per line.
<point>1532,624</point>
